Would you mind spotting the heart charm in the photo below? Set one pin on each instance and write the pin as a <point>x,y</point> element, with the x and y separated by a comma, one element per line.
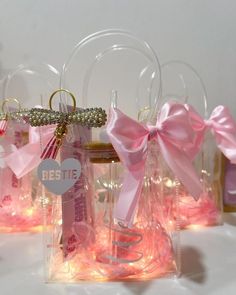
<point>59,178</point>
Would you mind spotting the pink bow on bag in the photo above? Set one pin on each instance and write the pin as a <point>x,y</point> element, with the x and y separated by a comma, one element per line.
<point>28,157</point>
<point>130,138</point>
<point>223,127</point>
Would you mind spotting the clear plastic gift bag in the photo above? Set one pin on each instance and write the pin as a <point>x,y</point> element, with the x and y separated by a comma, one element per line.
<point>181,82</point>
<point>87,241</point>
<point>20,192</point>
<point>19,207</point>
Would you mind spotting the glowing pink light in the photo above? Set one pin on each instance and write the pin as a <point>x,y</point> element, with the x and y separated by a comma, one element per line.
<point>93,263</point>
<point>193,214</point>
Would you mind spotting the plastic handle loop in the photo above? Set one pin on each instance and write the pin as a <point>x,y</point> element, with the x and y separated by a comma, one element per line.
<point>99,57</point>
<point>174,63</point>
<point>9,100</point>
<point>39,70</point>
<point>66,91</point>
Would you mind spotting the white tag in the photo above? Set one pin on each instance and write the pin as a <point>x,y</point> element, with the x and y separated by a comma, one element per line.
<point>59,178</point>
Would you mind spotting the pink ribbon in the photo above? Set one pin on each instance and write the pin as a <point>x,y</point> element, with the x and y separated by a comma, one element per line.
<point>222,126</point>
<point>26,158</point>
<point>130,138</point>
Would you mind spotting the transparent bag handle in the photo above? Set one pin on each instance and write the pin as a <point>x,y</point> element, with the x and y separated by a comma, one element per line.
<point>178,67</point>
<point>48,74</point>
<point>130,42</point>
<point>98,58</point>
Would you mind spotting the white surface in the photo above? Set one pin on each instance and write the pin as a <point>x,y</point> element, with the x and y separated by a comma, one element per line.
<point>201,32</point>
<point>208,263</point>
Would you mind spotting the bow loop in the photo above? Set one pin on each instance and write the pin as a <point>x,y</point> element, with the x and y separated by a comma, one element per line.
<point>223,127</point>
<point>222,120</point>
<point>175,122</point>
<point>128,137</point>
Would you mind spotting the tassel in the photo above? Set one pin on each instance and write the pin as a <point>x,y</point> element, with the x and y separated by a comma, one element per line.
<point>54,144</point>
<point>51,149</point>
<point>3,127</point>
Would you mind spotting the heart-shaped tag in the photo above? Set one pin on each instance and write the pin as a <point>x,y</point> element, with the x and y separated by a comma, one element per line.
<point>59,178</point>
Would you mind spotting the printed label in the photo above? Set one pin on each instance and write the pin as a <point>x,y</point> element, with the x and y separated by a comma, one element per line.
<point>76,201</point>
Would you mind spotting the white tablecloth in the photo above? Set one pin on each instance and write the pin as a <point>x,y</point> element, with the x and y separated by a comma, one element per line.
<point>208,267</point>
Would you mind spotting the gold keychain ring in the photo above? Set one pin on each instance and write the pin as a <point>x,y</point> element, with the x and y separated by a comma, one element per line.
<point>8,100</point>
<point>63,90</point>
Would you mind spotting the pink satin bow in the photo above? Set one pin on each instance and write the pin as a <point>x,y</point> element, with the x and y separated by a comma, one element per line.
<point>223,127</point>
<point>130,138</point>
<point>25,159</point>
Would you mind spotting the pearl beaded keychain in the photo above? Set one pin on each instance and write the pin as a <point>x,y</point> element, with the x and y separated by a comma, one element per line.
<point>36,117</point>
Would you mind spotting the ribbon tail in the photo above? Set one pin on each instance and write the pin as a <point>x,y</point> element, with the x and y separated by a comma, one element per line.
<point>26,158</point>
<point>129,196</point>
<point>182,167</point>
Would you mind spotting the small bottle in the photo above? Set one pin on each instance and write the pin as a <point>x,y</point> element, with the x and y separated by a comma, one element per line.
<point>104,169</point>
